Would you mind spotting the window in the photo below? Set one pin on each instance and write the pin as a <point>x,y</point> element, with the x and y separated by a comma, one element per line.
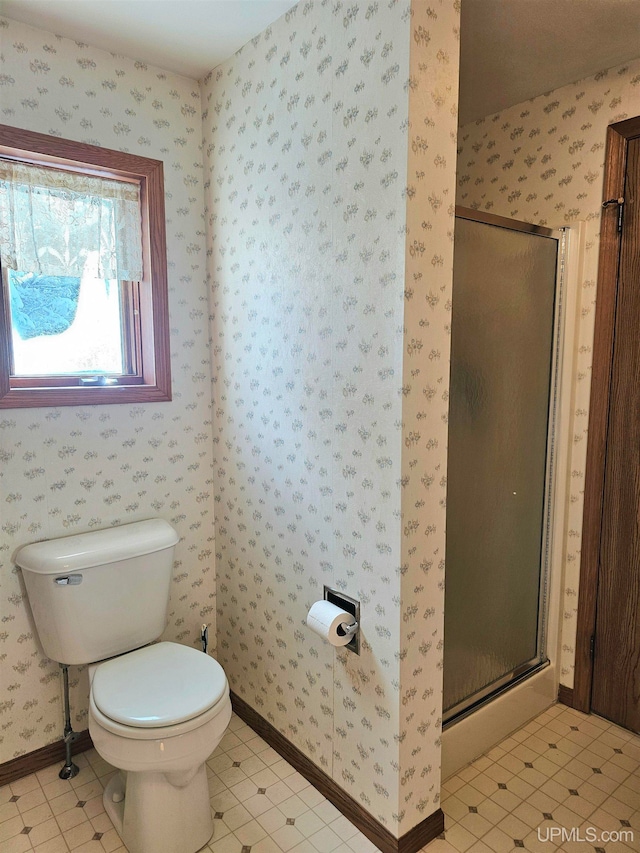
<point>83,301</point>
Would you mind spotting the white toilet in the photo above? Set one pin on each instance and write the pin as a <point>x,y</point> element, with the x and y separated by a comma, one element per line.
<point>157,711</point>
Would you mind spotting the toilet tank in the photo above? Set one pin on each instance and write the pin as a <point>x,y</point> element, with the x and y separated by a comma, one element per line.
<point>96,595</point>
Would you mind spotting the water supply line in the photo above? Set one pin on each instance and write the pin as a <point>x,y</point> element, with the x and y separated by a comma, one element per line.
<point>204,638</point>
<point>70,769</point>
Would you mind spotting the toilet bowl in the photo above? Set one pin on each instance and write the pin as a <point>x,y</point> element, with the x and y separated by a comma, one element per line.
<point>157,710</point>
<point>158,713</point>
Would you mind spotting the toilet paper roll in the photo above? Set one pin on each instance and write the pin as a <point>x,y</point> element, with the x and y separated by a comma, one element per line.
<point>327,620</point>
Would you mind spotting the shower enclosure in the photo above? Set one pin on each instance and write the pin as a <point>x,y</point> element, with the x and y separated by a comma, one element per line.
<point>507,305</point>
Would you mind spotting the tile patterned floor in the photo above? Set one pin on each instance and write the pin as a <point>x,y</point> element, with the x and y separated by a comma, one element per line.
<point>260,805</point>
<point>562,770</point>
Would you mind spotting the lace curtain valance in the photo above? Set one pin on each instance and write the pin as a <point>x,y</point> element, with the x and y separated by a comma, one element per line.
<point>55,222</point>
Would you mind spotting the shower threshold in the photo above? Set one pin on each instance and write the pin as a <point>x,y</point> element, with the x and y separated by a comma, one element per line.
<point>474,734</point>
<point>488,694</point>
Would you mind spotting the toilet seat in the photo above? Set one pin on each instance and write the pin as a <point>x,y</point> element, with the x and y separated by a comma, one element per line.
<point>166,686</point>
<point>134,733</point>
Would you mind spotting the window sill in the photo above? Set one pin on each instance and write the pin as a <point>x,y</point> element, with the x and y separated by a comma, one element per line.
<point>21,398</point>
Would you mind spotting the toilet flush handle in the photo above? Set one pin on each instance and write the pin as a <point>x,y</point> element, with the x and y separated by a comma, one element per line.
<point>68,580</point>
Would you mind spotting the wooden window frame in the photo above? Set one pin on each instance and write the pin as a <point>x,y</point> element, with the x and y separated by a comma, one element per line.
<point>152,381</point>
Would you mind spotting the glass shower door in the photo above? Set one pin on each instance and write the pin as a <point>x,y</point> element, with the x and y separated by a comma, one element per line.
<point>502,359</point>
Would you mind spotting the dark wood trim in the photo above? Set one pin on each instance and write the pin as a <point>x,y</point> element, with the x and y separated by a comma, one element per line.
<point>411,842</point>
<point>40,148</point>
<point>72,155</point>
<point>565,695</point>
<point>618,136</point>
<point>41,758</point>
<point>421,834</point>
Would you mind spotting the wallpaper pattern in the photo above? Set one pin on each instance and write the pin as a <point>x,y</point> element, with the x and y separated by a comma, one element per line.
<point>433,117</point>
<point>329,176</point>
<point>542,161</point>
<point>70,470</point>
<point>306,161</point>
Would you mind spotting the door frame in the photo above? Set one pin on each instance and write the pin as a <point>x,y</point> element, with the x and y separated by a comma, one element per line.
<point>618,137</point>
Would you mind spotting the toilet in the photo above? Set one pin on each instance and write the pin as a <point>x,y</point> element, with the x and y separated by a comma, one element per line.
<point>157,710</point>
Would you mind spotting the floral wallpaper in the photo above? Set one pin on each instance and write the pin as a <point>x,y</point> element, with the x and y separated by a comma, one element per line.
<point>433,116</point>
<point>70,470</point>
<point>315,293</point>
<point>328,197</point>
<point>307,156</point>
<point>542,161</point>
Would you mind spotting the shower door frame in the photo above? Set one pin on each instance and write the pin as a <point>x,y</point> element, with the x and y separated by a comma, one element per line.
<point>540,660</point>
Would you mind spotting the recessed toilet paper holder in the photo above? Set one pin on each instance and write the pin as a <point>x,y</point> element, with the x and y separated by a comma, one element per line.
<point>350,605</point>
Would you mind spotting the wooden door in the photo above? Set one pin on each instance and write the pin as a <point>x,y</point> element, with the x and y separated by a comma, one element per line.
<point>616,649</point>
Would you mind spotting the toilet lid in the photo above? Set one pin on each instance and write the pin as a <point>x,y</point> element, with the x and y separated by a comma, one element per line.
<point>159,685</point>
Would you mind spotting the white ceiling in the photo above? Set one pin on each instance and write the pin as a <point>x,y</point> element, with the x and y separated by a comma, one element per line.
<point>511,50</point>
<point>189,37</point>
